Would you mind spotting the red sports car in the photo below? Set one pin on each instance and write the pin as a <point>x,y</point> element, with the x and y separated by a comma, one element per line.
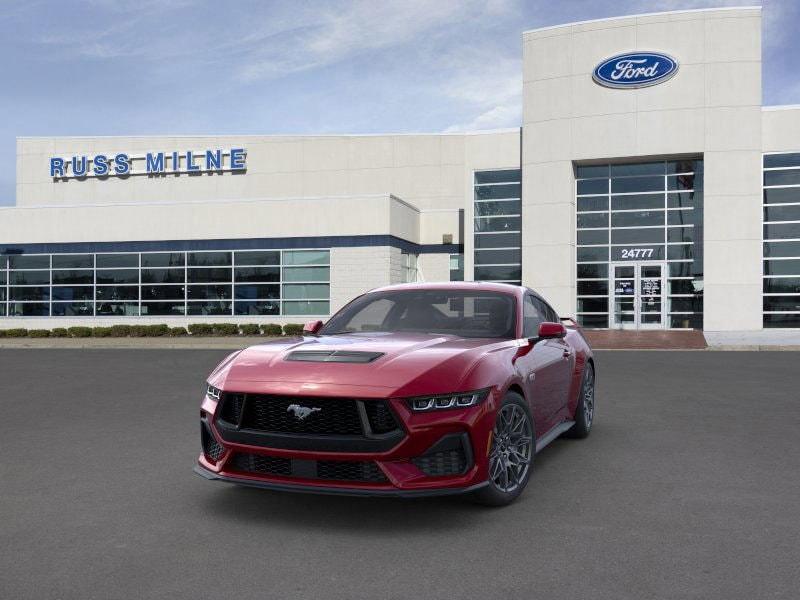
<point>409,390</point>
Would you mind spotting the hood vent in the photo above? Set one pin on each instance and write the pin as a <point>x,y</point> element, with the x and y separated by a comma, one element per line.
<point>339,356</point>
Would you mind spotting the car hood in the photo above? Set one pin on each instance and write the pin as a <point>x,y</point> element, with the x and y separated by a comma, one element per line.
<point>407,364</point>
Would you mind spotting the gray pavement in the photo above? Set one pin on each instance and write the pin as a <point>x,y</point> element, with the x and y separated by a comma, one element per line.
<point>687,488</point>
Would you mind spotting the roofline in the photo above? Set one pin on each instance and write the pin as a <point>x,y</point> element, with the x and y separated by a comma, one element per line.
<point>267,135</point>
<point>781,107</point>
<point>650,14</point>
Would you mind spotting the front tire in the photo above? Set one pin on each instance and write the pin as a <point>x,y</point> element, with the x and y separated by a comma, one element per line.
<point>584,410</point>
<point>511,453</point>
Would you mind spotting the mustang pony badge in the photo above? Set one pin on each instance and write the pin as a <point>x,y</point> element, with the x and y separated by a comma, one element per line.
<point>302,412</point>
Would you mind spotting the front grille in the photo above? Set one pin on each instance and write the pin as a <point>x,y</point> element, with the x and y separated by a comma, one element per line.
<point>440,464</point>
<point>330,470</point>
<point>381,419</point>
<point>350,471</point>
<point>258,463</point>
<point>212,449</point>
<point>301,415</point>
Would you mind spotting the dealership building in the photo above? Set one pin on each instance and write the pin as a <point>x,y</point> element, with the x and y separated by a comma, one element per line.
<point>646,188</point>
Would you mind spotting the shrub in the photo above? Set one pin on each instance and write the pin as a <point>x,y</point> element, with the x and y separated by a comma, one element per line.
<point>250,329</point>
<point>225,329</point>
<point>201,329</point>
<point>293,329</point>
<point>101,332</point>
<point>138,330</point>
<point>2,333</point>
<point>120,330</point>
<point>16,332</point>
<point>272,329</point>
<point>156,330</point>
<point>38,333</point>
<point>59,332</point>
<point>177,331</point>
<point>79,332</point>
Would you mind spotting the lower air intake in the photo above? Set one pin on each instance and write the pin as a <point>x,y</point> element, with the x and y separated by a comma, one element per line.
<point>212,449</point>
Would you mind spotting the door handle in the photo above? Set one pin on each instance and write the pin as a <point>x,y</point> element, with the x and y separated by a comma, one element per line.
<point>567,353</point>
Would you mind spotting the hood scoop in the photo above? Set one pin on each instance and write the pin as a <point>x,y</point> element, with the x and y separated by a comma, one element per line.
<point>336,356</point>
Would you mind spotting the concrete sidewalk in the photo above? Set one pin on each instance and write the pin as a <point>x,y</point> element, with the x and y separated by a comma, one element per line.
<point>152,343</point>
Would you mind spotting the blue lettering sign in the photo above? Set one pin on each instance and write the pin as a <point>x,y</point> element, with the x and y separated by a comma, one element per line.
<point>213,160</point>
<point>79,168</point>
<point>121,164</point>
<point>100,165</point>
<point>155,162</point>
<point>176,162</point>
<point>56,167</point>
<point>237,159</point>
<point>190,166</point>
<point>635,70</point>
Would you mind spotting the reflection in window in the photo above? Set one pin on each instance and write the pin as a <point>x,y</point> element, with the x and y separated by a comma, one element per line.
<point>497,225</point>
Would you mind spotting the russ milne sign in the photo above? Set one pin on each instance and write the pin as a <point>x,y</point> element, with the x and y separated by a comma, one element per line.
<point>151,163</point>
<point>635,70</point>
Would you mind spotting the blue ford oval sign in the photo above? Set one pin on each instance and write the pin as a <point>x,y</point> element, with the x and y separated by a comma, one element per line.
<point>635,70</point>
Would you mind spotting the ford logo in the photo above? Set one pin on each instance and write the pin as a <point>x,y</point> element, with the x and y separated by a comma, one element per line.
<point>635,70</point>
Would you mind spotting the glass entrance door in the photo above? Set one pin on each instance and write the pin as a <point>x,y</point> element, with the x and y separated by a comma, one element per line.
<point>637,295</point>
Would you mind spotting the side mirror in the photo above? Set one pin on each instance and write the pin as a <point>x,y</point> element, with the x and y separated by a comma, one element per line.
<point>312,327</point>
<point>550,331</point>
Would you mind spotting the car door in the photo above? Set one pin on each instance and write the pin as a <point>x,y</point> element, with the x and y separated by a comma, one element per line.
<point>544,368</point>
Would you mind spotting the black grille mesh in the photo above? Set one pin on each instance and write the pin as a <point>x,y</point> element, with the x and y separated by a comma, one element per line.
<point>258,463</point>
<point>212,449</point>
<point>231,408</point>
<point>331,416</point>
<point>439,464</point>
<point>381,419</point>
<point>350,471</point>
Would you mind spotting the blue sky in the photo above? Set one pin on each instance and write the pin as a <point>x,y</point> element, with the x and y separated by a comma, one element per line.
<point>105,67</point>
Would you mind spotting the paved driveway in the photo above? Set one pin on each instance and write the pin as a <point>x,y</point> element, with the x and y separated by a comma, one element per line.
<point>689,487</point>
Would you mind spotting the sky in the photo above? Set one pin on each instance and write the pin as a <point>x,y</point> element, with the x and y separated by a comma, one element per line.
<point>155,67</point>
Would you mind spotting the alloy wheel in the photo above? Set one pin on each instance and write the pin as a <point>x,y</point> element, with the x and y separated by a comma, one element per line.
<point>512,445</point>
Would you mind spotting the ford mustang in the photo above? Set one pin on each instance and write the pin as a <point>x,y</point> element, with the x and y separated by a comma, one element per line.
<point>409,390</point>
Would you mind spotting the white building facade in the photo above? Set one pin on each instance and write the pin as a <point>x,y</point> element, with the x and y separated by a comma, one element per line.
<point>646,188</point>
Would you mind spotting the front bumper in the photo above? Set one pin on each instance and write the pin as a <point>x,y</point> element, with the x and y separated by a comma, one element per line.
<point>412,467</point>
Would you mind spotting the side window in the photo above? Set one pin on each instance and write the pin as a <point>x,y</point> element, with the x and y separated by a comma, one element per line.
<point>532,314</point>
<point>550,314</point>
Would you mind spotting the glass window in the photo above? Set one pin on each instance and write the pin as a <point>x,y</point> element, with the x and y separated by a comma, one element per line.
<point>117,309</point>
<point>636,184</point>
<point>257,257</point>
<point>637,236</point>
<point>637,202</point>
<point>497,223</point>
<point>782,267</point>
<point>694,304</point>
<point>114,261</point>
<point>782,195</point>
<point>73,261</point>
<point>73,309</point>
<point>163,275</point>
<point>782,320</point>
<point>592,288</point>
<point>782,285</point>
<point>592,254</point>
<point>2,277</point>
<point>595,271</point>
<point>456,267</point>
<point>782,303</point>
<point>306,308</point>
<point>499,208</point>
<point>680,234</point>
<point>498,257</point>
<point>651,168</point>
<point>683,199</point>
<point>681,182</point>
<point>209,292</point>
<point>28,309</point>
<point>209,259</point>
<point>29,293</point>
<point>592,186</point>
<point>116,292</point>
<point>306,274</point>
<point>786,177</point>
<point>685,166</point>
<point>789,249</point>
<point>683,217</point>
<point>112,276</point>
<point>305,257</point>
<point>599,305</point>
<point>29,261</point>
<point>682,286</point>
<point>491,192</point>
<point>258,292</point>
<point>29,277</point>
<point>532,315</point>
<point>593,321</point>
<point>210,275</point>
<point>592,236</point>
<point>593,219</point>
<point>637,219</point>
<point>163,259</point>
<point>221,307</point>
<point>66,277</point>
<point>257,273</point>
<point>163,292</point>
<point>253,307</point>
<point>782,231</point>
<point>306,291</point>
<point>162,309</point>
<point>586,171</point>
<point>679,252</point>
<point>782,213</point>
<point>681,269</point>
<point>782,160</point>
<point>499,176</point>
<point>498,273</point>
<point>498,240</point>
<point>593,203</point>
<point>73,292</point>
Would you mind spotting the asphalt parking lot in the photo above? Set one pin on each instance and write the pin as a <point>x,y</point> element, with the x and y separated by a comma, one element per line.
<point>688,487</point>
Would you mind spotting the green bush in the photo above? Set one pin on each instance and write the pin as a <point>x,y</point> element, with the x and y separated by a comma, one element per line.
<point>2,333</point>
<point>120,330</point>
<point>157,330</point>
<point>177,331</point>
<point>138,331</point>
<point>16,332</point>
<point>59,332</point>
<point>293,329</point>
<point>38,333</point>
<point>201,329</point>
<point>250,329</point>
<point>101,332</point>
<point>79,332</point>
<point>272,329</point>
<point>225,329</point>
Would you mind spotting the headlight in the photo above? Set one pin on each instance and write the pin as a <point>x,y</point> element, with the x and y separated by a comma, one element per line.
<point>212,392</point>
<point>460,400</point>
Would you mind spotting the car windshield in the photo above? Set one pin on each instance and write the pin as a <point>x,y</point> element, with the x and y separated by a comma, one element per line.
<point>465,313</point>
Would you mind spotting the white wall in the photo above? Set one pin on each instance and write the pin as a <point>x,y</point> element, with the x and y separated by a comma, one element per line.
<point>711,107</point>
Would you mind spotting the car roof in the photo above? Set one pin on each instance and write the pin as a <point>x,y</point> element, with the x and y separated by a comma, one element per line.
<point>485,286</point>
